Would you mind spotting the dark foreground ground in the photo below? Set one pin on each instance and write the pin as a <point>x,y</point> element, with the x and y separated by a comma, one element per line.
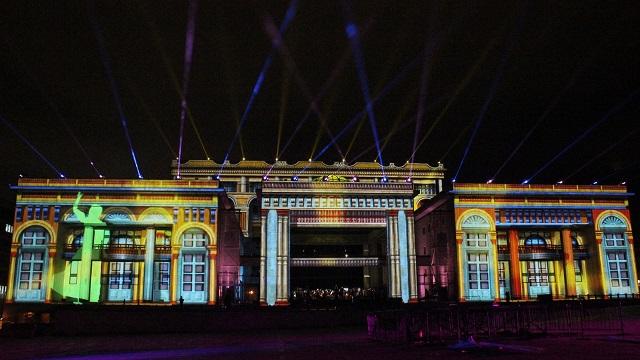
<point>335,344</point>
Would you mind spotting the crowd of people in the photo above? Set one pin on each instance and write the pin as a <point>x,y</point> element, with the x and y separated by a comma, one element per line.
<point>337,296</point>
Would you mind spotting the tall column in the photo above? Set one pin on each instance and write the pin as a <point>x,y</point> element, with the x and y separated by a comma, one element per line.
<point>84,273</point>
<point>272,257</point>
<point>50,272</point>
<point>603,266</point>
<point>263,258</point>
<point>285,259</point>
<point>282,280</point>
<point>494,264</point>
<point>213,276</point>
<point>279,262</point>
<point>569,267</point>
<point>632,264</point>
<point>413,283</point>
<point>12,275</point>
<point>460,254</point>
<point>394,263</point>
<point>173,289</point>
<point>148,264</point>
<point>514,264</point>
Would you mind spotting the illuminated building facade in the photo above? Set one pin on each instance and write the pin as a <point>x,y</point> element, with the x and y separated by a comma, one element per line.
<point>491,242</point>
<point>315,225</point>
<point>98,240</point>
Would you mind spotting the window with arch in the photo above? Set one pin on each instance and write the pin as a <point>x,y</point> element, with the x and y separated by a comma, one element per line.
<point>32,263</point>
<point>615,243</point>
<point>535,240</point>
<point>195,238</point>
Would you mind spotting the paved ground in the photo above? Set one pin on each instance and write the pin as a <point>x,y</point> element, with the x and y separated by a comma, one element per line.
<point>335,344</point>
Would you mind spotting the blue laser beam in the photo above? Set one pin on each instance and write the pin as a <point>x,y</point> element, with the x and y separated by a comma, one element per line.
<point>106,62</point>
<point>387,88</point>
<point>188,58</point>
<point>606,117</point>
<point>289,15</point>
<point>352,34</point>
<point>542,117</point>
<point>31,146</point>
<point>492,91</point>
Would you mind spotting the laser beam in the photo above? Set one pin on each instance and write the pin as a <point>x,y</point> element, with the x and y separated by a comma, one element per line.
<point>31,146</point>
<point>106,62</point>
<point>605,118</point>
<point>354,39</point>
<point>188,58</point>
<point>290,14</point>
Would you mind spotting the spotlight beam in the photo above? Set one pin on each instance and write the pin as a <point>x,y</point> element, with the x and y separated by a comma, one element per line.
<point>172,76</point>
<point>290,14</point>
<point>542,117</point>
<point>56,112</point>
<point>188,58</point>
<point>492,91</point>
<point>278,43</point>
<point>605,118</point>
<point>31,146</point>
<point>603,152</point>
<point>388,87</point>
<point>106,62</point>
<point>354,39</point>
<point>461,86</point>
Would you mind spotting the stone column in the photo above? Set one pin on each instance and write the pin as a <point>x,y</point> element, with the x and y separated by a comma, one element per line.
<point>514,264</point>
<point>173,289</point>
<point>243,184</point>
<point>148,264</point>
<point>279,262</point>
<point>213,276</point>
<point>12,275</point>
<point>603,265</point>
<point>50,273</point>
<point>632,264</point>
<point>413,283</point>
<point>394,263</point>
<point>263,258</point>
<point>285,259</point>
<point>569,267</point>
<point>461,263</point>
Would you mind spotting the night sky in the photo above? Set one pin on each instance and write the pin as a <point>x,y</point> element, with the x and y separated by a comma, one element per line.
<point>500,72</point>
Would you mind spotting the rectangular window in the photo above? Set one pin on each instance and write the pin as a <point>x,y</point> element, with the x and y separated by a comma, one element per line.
<point>29,213</point>
<point>577,265</point>
<point>162,274</point>
<point>501,274</point>
<point>476,239</point>
<point>618,268</point>
<point>614,239</point>
<point>45,213</point>
<point>73,272</point>
<point>18,214</point>
<point>187,214</point>
<point>120,275</point>
<point>478,270</point>
<point>193,272</point>
<point>201,215</point>
<point>31,270</point>
<point>56,213</point>
<point>212,216</point>
<point>175,215</point>
<point>38,211</point>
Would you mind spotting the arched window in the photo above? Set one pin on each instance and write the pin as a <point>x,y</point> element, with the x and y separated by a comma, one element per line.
<point>32,264</point>
<point>535,240</point>
<point>617,254</point>
<point>194,266</point>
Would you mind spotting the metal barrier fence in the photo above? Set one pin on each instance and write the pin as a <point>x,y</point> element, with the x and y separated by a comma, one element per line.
<point>460,322</point>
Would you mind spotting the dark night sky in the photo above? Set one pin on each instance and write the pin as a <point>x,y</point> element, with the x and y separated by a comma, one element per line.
<point>572,62</point>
